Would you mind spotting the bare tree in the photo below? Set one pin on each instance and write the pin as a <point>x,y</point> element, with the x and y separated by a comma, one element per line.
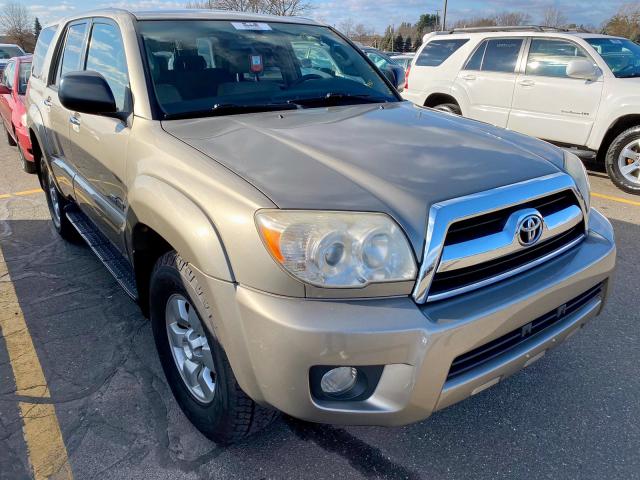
<point>347,27</point>
<point>273,7</point>
<point>553,17</point>
<point>625,23</point>
<point>512,18</point>
<point>16,24</point>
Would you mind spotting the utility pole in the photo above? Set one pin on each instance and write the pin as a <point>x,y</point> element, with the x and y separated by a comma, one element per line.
<point>437,26</point>
<point>444,16</point>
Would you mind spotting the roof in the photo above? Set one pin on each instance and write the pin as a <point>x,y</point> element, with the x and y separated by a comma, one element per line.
<point>190,14</point>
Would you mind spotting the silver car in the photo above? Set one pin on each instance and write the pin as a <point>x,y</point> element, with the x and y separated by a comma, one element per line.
<point>306,242</point>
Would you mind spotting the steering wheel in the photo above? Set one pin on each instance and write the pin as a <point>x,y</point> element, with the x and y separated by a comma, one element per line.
<point>629,67</point>
<point>304,78</point>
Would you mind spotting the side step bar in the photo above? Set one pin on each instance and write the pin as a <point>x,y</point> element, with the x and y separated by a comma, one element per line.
<point>104,249</point>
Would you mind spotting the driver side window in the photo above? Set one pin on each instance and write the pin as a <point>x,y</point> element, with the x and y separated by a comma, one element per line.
<point>550,57</point>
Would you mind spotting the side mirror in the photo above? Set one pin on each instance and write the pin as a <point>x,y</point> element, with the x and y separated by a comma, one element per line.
<point>87,92</point>
<point>582,70</point>
<point>4,90</point>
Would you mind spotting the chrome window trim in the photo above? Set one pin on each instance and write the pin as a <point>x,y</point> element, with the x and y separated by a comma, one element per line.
<point>445,213</point>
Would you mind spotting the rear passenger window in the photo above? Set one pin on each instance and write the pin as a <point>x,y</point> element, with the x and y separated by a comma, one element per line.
<point>106,56</point>
<point>550,58</point>
<point>72,54</point>
<point>497,55</point>
<point>42,46</point>
<point>436,52</point>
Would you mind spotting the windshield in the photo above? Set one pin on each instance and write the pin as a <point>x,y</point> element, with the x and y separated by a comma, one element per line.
<point>10,52</point>
<point>213,67</point>
<point>621,55</point>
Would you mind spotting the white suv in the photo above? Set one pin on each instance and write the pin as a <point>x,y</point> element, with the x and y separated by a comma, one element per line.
<point>573,89</point>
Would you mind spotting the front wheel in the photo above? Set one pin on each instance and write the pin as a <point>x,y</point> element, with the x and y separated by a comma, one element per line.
<point>623,161</point>
<point>56,203</point>
<point>452,108</point>
<point>194,362</point>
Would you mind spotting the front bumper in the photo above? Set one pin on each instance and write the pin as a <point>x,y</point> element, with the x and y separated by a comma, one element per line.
<point>272,342</point>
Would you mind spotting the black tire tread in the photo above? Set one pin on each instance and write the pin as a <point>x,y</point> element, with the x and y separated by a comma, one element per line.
<point>243,416</point>
<point>611,160</point>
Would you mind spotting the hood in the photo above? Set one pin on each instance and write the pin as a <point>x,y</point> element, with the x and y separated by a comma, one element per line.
<point>399,159</point>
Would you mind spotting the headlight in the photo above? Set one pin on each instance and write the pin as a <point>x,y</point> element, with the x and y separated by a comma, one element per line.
<point>574,167</point>
<point>23,119</point>
<point>337,249</point>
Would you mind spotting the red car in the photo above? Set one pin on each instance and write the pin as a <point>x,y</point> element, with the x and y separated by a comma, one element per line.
<point>13,88</point>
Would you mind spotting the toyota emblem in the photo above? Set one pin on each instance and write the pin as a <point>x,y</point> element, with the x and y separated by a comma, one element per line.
<point>530,230</point>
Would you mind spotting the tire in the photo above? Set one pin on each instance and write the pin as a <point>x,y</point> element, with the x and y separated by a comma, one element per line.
<point>57,204</point>
<point>624,169</point>
<point>452,108</point>
<point>27,166</point>
<point>224,413</point>
<point>10,139</point>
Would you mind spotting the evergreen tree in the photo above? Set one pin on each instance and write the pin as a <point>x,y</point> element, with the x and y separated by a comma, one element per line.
<point>398,44</point>
<point>37,28</point>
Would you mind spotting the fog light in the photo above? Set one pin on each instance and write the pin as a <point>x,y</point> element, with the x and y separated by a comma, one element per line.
<point>338,380</point>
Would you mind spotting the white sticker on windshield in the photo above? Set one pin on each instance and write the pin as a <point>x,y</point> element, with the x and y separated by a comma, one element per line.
<point>616,41</point>
<point>250,26</point>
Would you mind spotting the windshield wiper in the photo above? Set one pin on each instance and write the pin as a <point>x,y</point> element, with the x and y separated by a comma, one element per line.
<point>231,109</point>
<point>337,99</point>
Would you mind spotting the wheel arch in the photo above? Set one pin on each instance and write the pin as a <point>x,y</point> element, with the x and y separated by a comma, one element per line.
<point>436,99</point>
<point>616,128</point>
<point>160,219</point>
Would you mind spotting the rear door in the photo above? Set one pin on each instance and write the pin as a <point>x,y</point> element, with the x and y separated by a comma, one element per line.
<point>488,78</point>
<point>69,57</point>
<point>99,143</point>
<point>547,104</point>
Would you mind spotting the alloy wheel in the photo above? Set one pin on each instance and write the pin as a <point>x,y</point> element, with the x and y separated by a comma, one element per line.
<point>629,162</point>
<point>190,348</point>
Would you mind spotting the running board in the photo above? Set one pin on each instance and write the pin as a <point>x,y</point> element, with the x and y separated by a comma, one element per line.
<point>104,250</point>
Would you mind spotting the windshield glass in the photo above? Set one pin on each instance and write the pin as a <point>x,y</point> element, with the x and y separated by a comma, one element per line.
<point>10,52</point>
<point>622,55</point>
<point>214,67</point>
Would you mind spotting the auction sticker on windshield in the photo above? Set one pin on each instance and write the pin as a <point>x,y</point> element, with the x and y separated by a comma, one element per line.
<point>250,26</point>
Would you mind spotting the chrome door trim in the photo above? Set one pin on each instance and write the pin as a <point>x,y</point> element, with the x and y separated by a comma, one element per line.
<point>445,213</point>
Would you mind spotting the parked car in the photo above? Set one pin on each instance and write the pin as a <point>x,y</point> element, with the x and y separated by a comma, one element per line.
<point>392,70</point>
<point>404,60</point>
<point>578,90</point>
<point>8,51</point>
<point>13,87</point>
<point>285,264</point>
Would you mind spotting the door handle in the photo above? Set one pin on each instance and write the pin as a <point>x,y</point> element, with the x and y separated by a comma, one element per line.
<point>47,102</point>
<point>74,120</point>
<point>527,83</point>
<point>468,77</point>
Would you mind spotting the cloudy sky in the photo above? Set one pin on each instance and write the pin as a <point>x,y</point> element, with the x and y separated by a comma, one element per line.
<point>377,13</point>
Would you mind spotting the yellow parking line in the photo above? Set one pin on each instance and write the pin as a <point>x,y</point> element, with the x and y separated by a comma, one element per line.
<point>20,194</point>
<point>45,447</point>
<point>615,199</point>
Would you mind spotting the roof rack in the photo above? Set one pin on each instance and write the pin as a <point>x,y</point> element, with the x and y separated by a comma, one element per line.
<point>515,28</point>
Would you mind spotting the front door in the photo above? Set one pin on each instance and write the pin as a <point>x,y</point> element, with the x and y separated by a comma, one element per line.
<point>59,143</point>
<point>99,142</point>
<point>547,103</point>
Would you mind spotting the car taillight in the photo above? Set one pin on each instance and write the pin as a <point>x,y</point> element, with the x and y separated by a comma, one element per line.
<point>406,77</point>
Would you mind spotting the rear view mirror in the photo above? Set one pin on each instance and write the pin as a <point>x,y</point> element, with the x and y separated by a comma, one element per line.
<point>583,70</point>
<point>87,92</point>
<point>306,63</point>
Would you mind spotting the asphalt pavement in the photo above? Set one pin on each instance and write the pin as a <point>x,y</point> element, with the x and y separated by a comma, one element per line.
<point>109,414</point>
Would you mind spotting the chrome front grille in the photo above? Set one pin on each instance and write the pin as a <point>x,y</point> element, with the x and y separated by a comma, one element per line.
<point>478,240</point>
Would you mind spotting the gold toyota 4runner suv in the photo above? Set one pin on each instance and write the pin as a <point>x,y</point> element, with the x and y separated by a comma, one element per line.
<point>302,239</point>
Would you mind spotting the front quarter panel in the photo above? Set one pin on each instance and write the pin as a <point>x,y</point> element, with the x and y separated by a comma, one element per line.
<point>620,98</point>
<point>205,211</point>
